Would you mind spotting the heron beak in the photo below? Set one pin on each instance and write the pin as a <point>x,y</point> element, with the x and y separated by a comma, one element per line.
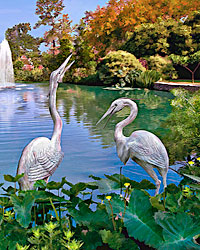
<point>109,112</point>
<point>63,68</point>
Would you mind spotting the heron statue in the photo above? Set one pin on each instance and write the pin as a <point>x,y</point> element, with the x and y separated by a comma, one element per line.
<point>143,147</point>
<point>41,157</point>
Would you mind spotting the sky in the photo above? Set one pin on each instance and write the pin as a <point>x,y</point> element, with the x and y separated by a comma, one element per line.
<point>13,12</point>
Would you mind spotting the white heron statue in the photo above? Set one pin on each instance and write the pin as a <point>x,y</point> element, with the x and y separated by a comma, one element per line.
<point>141,146</point>
<point>41,157</point>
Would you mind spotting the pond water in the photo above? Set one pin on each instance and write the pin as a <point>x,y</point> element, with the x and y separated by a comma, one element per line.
<point>88,149</point>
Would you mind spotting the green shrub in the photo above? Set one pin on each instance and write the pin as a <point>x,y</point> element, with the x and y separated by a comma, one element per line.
<point>18,65</point>
<point>116,65</point>
<point>163,65</point>
<point>35,75</point>
<point>183,124</point>
<point>130,78</point>
<point>147,78</point>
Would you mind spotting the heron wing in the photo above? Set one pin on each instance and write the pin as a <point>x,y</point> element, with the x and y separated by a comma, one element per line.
<point>45,164</point>
<point>147,147</point>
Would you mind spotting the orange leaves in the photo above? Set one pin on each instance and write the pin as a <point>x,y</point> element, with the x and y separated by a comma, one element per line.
<point>108,25</point>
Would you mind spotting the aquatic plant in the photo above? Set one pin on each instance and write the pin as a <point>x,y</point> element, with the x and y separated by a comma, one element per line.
<point>95,215</point>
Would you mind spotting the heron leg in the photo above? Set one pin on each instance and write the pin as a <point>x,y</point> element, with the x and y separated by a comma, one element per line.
<point>120,177</point>
<point>153,175</point>
<point>46,179</point>
<point>163,173</point>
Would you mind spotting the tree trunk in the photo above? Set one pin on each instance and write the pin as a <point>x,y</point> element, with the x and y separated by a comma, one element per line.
<point>192,72</point>
<point>54,47</point>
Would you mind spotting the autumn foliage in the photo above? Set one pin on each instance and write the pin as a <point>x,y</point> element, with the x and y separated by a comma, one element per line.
<point>109,26</point>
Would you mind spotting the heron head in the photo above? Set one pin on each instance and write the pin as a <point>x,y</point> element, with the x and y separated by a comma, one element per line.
<point>58,74</point>
<point>115,107</point>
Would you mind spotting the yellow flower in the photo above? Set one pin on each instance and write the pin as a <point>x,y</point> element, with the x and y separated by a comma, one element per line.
<point>108,198</point>
<point>198,159</point>
<point>191,162</point>
<point>127,184</point>
<point>187,192</point>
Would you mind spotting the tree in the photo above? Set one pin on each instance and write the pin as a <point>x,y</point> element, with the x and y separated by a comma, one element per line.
<point>84,51</point>
<point>21,42</point>
<point>49,12</point>
<point>107,27</point>
<point>163,38</point>
<point>190,62</point>
<point>193,21</point>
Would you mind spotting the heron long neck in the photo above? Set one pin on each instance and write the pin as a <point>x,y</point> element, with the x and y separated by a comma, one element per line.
<point>119,127</point>
<point>54,114</point>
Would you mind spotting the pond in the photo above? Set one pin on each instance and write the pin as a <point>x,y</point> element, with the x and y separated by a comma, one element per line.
<point>88,149</point>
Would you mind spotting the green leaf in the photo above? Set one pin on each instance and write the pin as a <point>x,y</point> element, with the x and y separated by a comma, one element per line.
<point>172,202</point>
<point>139,218</point>
<point>5,201</point>
<point>92,240</point>
<point>77,188</point>
<point>10,190</point>
<point>194,186</point>
<point>23,208</point>
<point>57,185</point>
<point>93,220</point>
<point>178,230</point>
<point>40,184</point>
<point>42,196</point>
<point>10,178</point>
<point>94,177</point>
<point>155,203</point>
<point>172,188</point>
<point>193,177</point>
<point>114,182</point>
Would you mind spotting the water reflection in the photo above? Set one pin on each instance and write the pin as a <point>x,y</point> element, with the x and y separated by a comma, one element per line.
<point>89,104</point>
<point>89,149</point>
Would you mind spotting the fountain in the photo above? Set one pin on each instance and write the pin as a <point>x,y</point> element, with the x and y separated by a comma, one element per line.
<point>6,66</point>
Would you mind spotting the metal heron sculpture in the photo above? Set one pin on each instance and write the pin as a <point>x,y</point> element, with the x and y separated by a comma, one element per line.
<point>143,147</point>
<point>41,157</point>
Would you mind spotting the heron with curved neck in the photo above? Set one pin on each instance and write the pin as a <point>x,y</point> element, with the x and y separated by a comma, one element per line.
<point>143,147</point>
<point>41,157</point>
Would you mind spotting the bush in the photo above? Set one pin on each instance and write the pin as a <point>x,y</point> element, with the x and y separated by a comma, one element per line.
<point>163,65</point>
<point>130,78</point>
<point>147,78</point>
<point>18,65</point>
<point>35,75</point>
<point>91,80</point>
<point>116,65</point>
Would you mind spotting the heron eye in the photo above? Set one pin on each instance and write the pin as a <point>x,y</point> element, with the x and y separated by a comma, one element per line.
<point>115,104</point>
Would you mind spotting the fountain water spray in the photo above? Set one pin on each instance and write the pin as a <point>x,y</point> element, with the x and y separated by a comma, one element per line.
<point>6,66</point>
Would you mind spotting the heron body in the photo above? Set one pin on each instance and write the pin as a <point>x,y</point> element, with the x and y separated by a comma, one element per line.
<point>42,156</point>
<point>143,147</point>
